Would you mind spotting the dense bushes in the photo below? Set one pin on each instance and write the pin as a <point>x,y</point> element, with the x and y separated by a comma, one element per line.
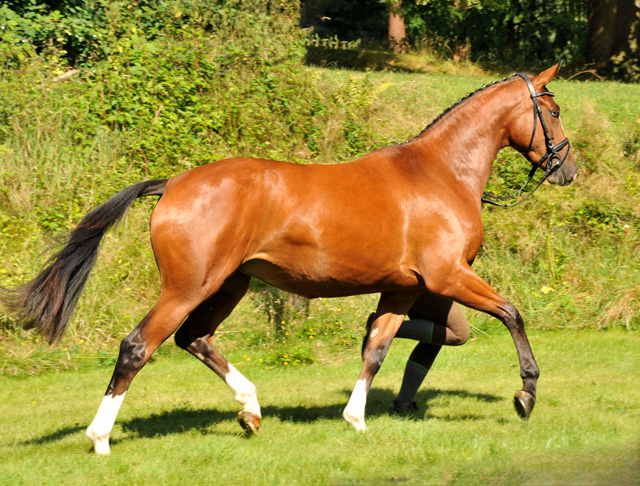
<point>166,86</point>
<point>509,31</point>
<point>209,78</point>
<point>159,92</point>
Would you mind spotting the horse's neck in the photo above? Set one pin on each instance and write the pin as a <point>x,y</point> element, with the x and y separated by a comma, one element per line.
<point>466,140</point>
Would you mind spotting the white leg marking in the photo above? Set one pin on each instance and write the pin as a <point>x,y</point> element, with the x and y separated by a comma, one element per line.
<point>100,429</point>
<point>243,390</point>
<point>354,412</point>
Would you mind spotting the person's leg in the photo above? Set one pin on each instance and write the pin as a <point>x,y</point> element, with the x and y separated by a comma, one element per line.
<point>443,324</point>
<point>431,336</point>
<point>446,324</point>
<point>415,372</point>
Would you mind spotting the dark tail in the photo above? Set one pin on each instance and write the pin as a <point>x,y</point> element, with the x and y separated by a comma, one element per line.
<point>47,302</point>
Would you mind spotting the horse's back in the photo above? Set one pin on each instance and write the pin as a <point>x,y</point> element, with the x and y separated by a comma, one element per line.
<point>305,228</point>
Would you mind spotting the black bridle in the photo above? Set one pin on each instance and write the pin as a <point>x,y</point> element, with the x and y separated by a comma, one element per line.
<point>553,163</point>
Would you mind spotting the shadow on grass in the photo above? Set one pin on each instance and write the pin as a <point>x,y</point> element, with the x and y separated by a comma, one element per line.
<point>379,403</point>
<point>180,420</point>
<point>55,436</point>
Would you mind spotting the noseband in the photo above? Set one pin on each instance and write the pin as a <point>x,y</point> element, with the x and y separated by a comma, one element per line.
<point>553,163</point>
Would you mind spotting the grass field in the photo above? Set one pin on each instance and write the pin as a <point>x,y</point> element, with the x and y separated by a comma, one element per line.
<point>178,424</point>
<point>157,106</point>
<point>566,258</point>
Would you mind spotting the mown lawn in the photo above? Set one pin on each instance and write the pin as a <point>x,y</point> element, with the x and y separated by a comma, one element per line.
<point>177,424</point>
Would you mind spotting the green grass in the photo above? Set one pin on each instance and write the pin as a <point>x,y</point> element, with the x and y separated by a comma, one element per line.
<point>567,259</point>
<point>178,424</point>
<point>581,240</point>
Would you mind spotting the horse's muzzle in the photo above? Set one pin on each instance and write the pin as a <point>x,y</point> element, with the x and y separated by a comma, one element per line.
<point>565,174</point>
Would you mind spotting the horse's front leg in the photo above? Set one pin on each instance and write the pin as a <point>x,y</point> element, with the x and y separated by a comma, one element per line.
<point>391,311</point>
<point>466,287</point>
<point>524,399</point>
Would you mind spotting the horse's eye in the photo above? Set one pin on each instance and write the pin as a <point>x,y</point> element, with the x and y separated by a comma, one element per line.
<point>555,114</point>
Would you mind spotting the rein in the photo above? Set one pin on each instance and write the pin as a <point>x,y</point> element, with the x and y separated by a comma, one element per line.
<point>553,163</point>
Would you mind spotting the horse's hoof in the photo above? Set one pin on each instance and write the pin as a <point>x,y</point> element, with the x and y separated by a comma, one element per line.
<point>250,422</point>
<point>100,442</point>
<point>524,402</point>
<point>357,423</point>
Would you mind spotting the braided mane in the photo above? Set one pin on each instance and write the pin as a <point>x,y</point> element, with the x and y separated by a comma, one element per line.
<point>460,102</point>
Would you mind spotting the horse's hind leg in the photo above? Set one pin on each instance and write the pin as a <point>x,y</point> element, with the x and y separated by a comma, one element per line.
<point>135,351</point>
<point>196,334</point>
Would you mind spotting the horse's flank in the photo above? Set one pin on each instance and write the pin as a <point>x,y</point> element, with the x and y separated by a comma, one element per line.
<point>303,222</point>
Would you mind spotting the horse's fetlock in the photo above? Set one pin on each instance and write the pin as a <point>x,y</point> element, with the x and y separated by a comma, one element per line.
<point>248,395</point>
<point>374,357</point>
<point>531,374</point>
<point>100,442</point>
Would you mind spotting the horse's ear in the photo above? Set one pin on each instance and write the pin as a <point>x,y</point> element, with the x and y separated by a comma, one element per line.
<point>545,77</point>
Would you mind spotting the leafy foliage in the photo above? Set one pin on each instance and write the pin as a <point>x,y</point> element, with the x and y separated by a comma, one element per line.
<point>171,85</point>
<point>522,32</point>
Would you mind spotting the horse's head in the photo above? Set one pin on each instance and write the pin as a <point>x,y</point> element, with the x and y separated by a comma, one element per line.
<point>541,137</point>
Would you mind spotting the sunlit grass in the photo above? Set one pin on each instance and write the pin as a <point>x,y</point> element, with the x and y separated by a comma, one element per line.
<point>179,419</point>
<point>565,258</point>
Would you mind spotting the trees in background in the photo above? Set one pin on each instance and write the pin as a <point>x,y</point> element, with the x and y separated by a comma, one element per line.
<point>518,32</point>
<point>490,29</point>
<point>614,35</point>
<point>605,33</point>
<point>397,27</point>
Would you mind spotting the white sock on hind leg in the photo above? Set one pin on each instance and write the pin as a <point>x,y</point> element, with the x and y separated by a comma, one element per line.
<point>102,425</point>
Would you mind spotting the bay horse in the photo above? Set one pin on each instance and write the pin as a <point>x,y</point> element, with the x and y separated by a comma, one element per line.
<point>402,220</point>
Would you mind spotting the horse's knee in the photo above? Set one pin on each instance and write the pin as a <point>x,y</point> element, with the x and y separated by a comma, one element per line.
<point>511,316</point>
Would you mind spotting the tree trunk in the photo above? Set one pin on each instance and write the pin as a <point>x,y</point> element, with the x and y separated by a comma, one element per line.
<point>614,28</point>
<point>397,30</point>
